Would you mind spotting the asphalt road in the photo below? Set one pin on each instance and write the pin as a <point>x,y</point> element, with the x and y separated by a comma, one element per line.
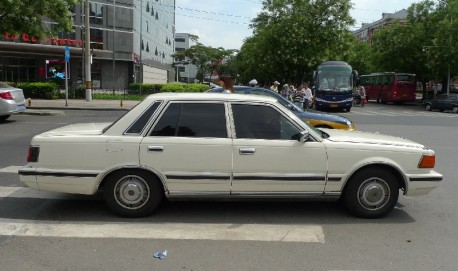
<point>51,231</point>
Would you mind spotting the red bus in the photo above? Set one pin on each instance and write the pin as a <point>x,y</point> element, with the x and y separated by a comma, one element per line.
<point>390,87</point>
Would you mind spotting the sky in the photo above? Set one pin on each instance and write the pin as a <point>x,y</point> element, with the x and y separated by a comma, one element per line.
<point>225,23</point>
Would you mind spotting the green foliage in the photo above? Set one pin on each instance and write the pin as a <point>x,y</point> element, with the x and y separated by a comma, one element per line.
<point>39,90</point>
<point>134,88</point>
<point>423,46</point>
<point>147,89</point>
<point>76,92</point>
<point>292,37</point>
<point>118,97</point>
<point>25,16</point>
<point>172,88</point>
<point>207,59</point>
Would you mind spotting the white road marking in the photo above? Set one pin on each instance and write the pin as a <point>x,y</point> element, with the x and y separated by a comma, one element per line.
<point>11,169</point>
<point>177,231</point>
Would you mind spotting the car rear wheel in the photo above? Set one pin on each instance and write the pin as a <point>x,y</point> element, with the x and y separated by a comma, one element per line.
<point>428,107</point>
<point>371,193</point>
<point>4,117</point>
<point>133,193</point>
<point>455,109</point>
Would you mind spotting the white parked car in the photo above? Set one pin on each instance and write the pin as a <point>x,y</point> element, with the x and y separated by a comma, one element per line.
<point>11,101</point>
<point>231,146</point>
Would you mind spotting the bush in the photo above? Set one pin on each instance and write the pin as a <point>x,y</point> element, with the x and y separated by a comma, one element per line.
<point>146,89</point>
<point>76,92</point>
<point>173,88</point>
<point>134,88</point>
<point>39,90</point>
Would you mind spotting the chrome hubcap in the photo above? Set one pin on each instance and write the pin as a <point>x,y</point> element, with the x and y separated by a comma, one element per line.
<point>131,192</point>
<point>373,194</point>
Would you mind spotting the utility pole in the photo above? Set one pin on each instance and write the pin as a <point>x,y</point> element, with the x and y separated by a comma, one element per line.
<point>141,40</point>
<point>87,52</point>
<point>113,45</point>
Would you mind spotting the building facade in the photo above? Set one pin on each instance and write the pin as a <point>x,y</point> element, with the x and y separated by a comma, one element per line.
<point>185,71</point>
<point>367,30</point>
<point>131,41</point>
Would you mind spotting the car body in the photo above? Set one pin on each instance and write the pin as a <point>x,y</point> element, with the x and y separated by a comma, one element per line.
<point>315,118</point>
<point>443,102</point>
<point>12,101</point>
<point>228,146</point>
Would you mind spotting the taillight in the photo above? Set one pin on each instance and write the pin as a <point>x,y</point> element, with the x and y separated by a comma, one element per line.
<point>427,161</point>
<point>6,95</point>
<point>33,153</point>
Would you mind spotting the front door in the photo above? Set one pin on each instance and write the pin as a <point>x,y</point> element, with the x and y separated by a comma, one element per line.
<point>268,158</point>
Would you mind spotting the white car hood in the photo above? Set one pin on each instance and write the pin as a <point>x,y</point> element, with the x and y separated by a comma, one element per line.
<point>336,135</point>
<point>78,129</point>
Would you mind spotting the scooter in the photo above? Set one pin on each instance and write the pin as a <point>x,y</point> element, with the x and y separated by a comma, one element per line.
<point>358,100</point>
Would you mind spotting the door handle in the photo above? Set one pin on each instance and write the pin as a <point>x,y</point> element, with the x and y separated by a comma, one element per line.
<point>155,148</point>
<point>247,151</point>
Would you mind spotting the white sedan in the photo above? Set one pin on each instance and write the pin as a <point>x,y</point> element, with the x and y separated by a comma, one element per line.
<point>12,101</point>
<point>230,146</point>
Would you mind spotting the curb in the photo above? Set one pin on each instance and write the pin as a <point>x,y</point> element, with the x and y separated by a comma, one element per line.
<point>42,112</point>
<point>77,108</point>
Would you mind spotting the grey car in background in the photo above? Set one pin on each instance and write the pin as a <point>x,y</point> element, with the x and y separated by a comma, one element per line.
<point>11,101</point>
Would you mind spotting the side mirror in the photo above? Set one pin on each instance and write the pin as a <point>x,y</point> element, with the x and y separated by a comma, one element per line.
<point>303,136</point>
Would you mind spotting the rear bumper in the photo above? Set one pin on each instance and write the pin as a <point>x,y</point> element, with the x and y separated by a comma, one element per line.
<point>75,182</point>
<point>8,107</point>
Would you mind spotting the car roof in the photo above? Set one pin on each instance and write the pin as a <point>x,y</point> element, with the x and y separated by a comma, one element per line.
<point>207,96</point>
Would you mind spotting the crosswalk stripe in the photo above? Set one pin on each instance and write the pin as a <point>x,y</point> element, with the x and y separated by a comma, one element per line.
<point>402,113</point>
<point>25,192</point>
<point>11,169</point>
<point>186,231</point>
<point>178,231</point>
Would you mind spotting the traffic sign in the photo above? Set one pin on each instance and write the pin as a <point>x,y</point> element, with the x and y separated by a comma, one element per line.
<point>67,54</point>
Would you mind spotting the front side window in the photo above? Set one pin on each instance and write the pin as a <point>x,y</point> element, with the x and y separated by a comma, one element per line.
<point>262,122</point>
<point>192,120</point>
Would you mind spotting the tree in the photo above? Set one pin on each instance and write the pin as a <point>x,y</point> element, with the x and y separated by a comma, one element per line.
<point>25,16</point>
<point>206,58</point>
<point>292,37</point>
<point>422,46</point>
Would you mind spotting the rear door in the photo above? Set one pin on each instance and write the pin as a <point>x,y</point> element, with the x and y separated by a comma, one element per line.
<point>189,145</point>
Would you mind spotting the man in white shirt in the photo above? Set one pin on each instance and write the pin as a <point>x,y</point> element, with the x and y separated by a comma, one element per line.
<point>274,87</point>
<point>308,96</point>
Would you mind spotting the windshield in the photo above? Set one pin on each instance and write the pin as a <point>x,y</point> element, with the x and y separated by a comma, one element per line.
<point>405,77</point>
<point>334,78</point>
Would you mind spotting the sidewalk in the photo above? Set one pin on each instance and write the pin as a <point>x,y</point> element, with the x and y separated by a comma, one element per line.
<point>51,107</point>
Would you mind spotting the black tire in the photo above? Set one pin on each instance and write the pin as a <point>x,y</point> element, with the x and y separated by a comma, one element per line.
<point>371,193</point>
<point>428,107</point>
<point>133,193</point>
<point>4,117</point>
<point>455,109</point>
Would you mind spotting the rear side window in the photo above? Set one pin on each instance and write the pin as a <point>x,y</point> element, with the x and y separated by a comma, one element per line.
<point>139,124</point>
<point>192,120</point>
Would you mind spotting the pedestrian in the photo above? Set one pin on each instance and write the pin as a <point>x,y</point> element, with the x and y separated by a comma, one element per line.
<point>285,91</point>
<point>298,96</point>
<point>308,96</point>
<point>226,81</point>
<point>274,87</point>
<point>253,83</point>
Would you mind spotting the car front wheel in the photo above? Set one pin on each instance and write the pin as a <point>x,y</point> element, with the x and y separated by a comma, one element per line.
<point>455,109</point>
<point>428,107</point>
<point>133,193</point>
<point>371,193</point>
